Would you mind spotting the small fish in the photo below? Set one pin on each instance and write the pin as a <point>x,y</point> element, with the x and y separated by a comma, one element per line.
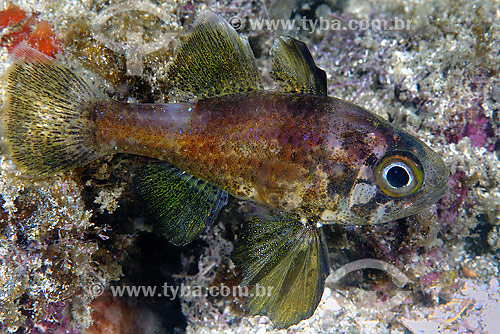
<point>309,159</point>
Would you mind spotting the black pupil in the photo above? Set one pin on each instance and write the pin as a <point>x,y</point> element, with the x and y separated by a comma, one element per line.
<point>397,177</point>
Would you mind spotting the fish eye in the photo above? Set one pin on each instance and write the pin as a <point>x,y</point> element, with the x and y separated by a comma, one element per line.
<point>398,176</point>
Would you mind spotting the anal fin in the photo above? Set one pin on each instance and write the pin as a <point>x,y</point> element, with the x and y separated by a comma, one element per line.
<point>182,205</point>
<point>294,69</point>
<point>288,259</point>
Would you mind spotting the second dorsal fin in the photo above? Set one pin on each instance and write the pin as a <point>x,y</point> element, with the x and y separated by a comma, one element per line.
<point>214,61</point>
<point>294,69</point>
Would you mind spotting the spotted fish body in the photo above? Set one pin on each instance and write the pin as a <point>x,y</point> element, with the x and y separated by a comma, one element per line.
<point>307,158</point>
<point>312,155</point>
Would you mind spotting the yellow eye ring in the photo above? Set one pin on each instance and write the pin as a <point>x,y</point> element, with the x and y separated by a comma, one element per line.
<point>398,176</point>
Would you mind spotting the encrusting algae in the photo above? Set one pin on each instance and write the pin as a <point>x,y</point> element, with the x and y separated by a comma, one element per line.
<point>306,158</point>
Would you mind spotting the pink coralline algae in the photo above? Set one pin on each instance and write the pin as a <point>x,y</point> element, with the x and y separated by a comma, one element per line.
<point>430,279</point>
<point>449,205</point>
<point>478,130</point>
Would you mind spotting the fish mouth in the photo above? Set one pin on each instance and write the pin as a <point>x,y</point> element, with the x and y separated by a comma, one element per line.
<point>437,193</point>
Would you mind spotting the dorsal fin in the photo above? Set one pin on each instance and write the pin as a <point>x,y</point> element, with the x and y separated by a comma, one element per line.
<point>214,61</point>
<point>294,69</point>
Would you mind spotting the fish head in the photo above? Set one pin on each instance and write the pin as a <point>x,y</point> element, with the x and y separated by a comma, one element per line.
<point>400,176</point>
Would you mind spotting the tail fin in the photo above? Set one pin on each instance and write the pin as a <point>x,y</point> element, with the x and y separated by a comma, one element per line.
<point>48,116</point>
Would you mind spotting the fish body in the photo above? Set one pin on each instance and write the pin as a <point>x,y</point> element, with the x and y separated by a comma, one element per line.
<point>312,155</point>
<point>309,159</point>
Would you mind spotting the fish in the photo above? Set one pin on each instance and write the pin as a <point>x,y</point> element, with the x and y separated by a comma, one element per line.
<point>308,159</point>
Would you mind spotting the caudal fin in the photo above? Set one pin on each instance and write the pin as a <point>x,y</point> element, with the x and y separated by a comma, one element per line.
<point>48,116</point>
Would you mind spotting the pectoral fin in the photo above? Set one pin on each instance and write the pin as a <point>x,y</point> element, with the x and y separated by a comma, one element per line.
<point>288,259</point>
<point>181,205</point>
<point>294,69</point>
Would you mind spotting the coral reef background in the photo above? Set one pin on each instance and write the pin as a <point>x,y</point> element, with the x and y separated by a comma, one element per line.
<point>65,240</point>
